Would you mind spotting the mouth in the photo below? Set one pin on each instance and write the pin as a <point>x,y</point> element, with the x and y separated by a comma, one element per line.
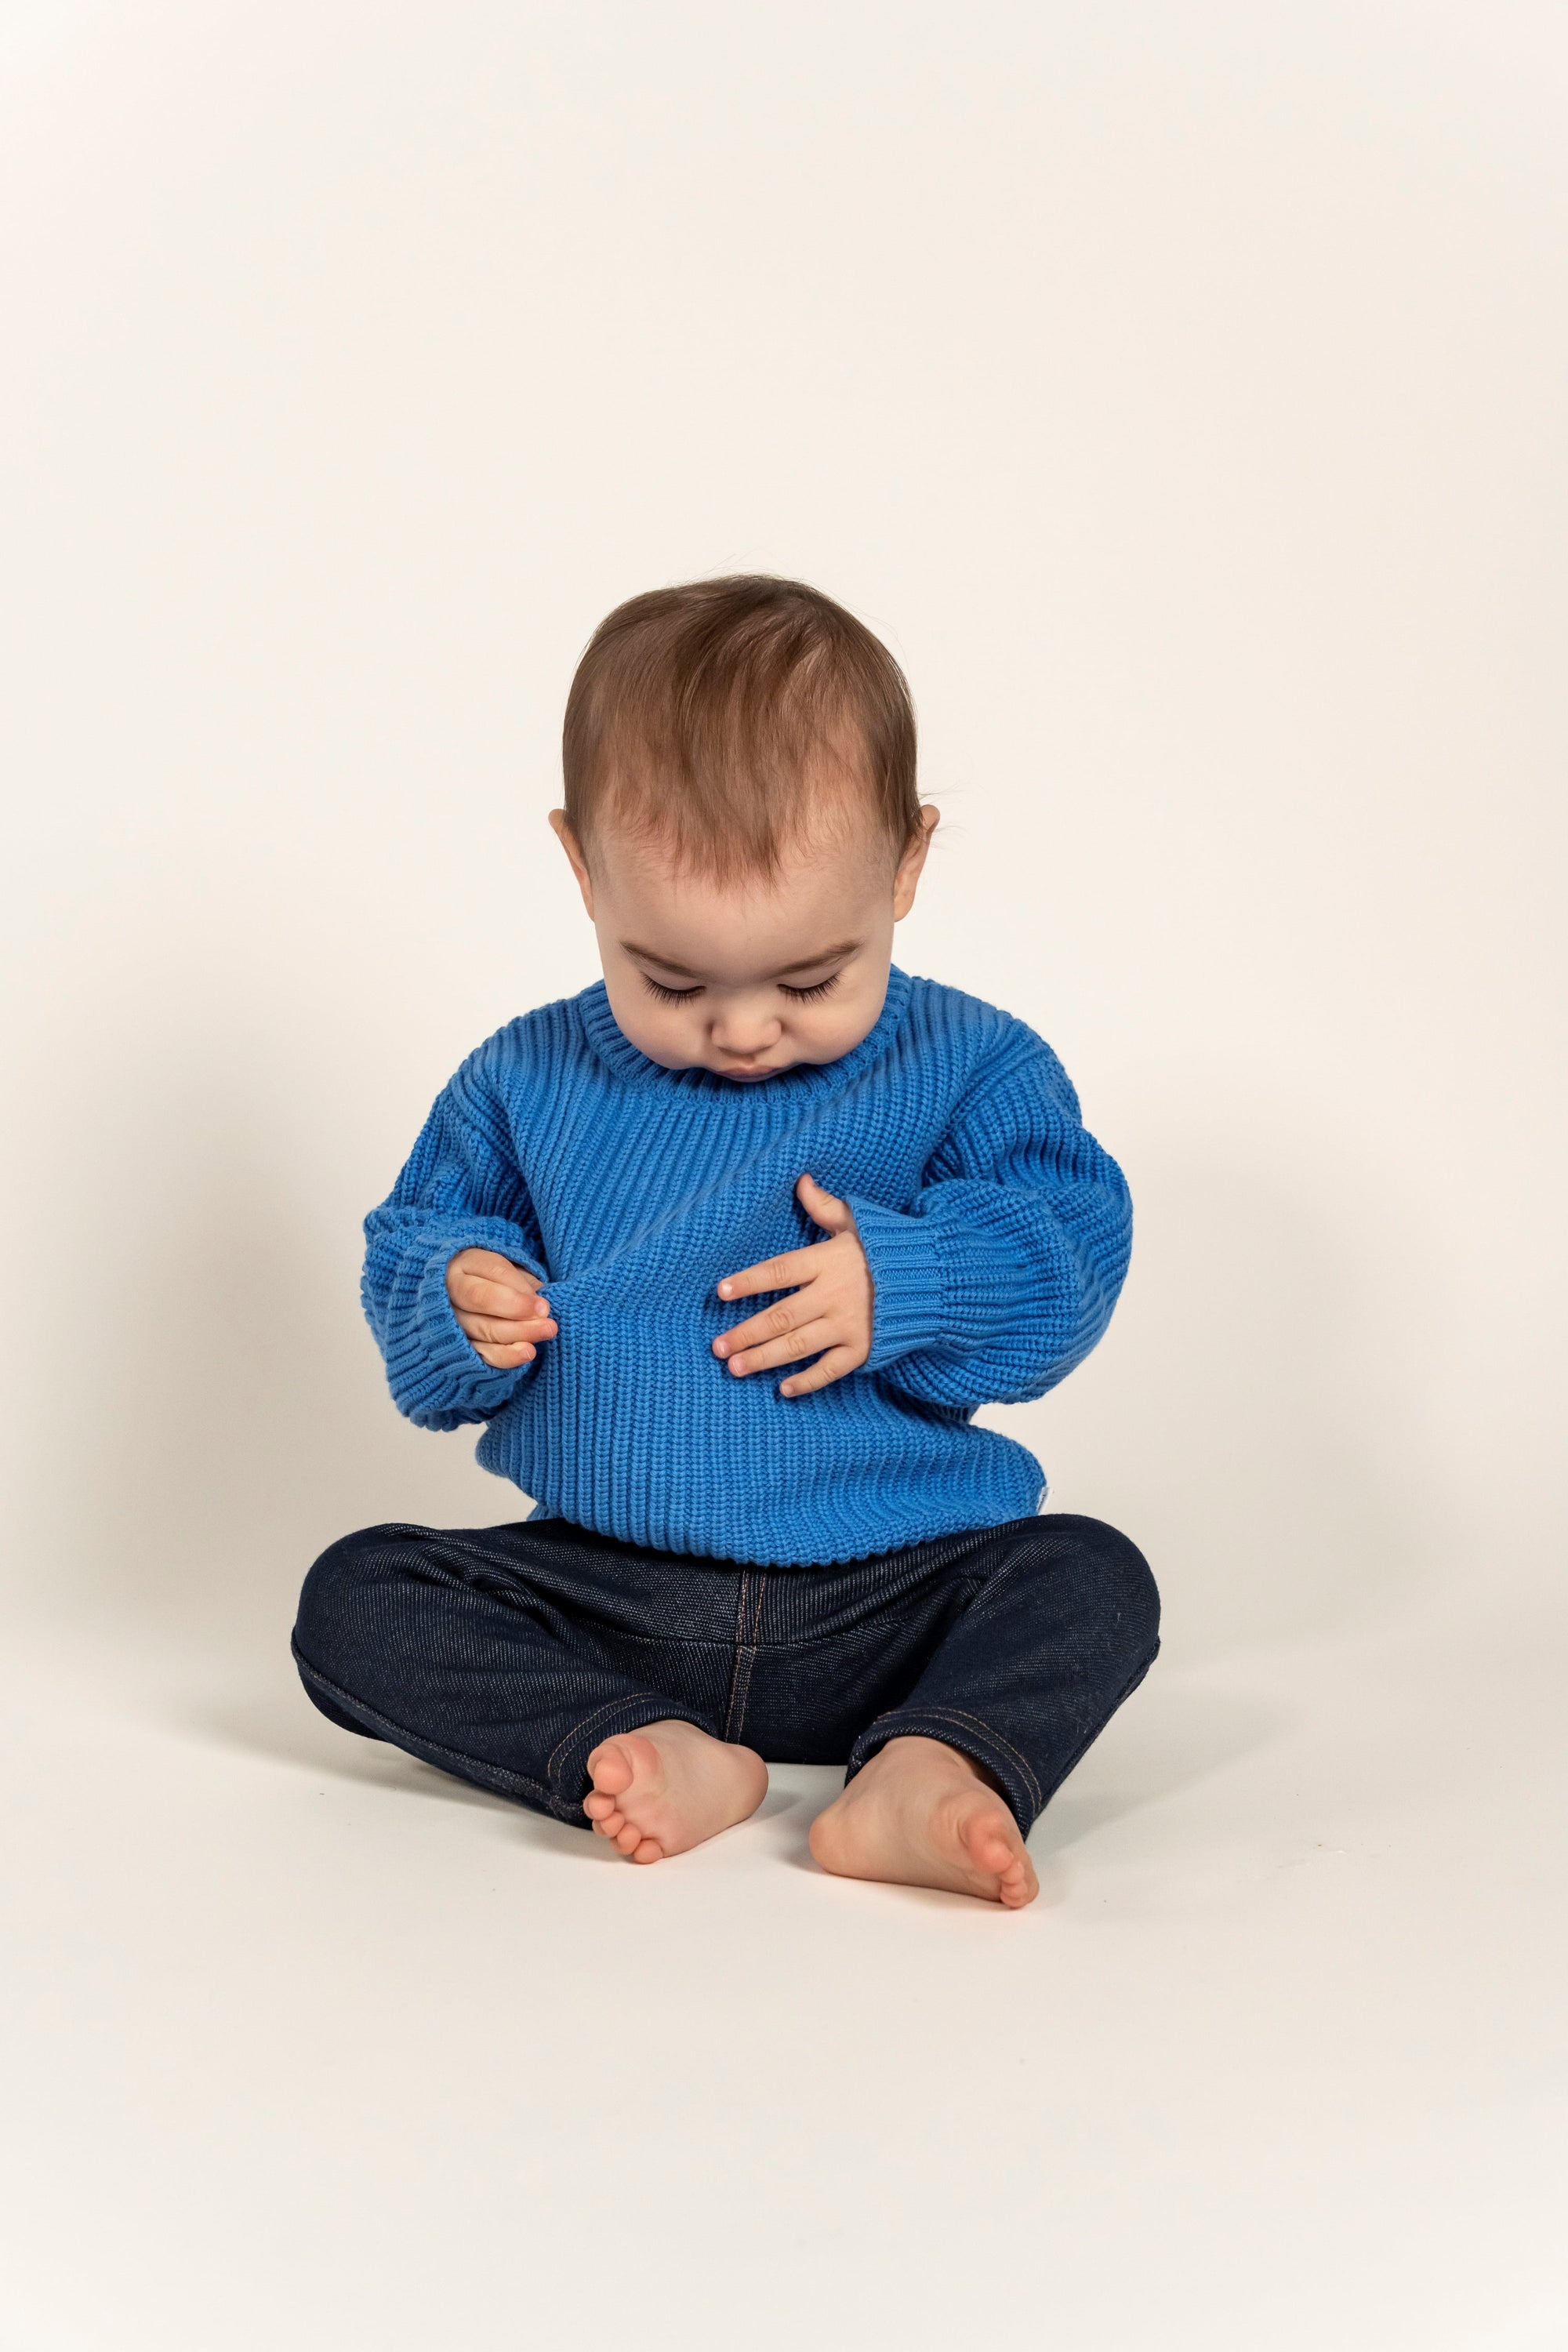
<point>726,1071</point>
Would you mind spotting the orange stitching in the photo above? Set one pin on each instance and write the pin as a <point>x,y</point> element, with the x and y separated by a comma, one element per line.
<point>735,1671</point>
<point>957,1715</point>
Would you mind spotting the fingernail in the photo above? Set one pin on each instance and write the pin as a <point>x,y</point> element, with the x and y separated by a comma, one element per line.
<point>724,1289</point>
<point>720,1346</point>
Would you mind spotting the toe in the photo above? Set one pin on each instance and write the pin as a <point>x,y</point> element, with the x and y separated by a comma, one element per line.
<point>992,1840</point>
<point>611,1825</point>
<point>629,1837</point>
<point>990,1851</point>
<point>995,1848</point>
<point>649,1850</point>
<point>1019,1886</point>
<point>597,1805</point>
<point>610,1767</point>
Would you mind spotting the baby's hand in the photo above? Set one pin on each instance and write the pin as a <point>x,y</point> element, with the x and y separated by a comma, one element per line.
<point>830,1311</point>
<point>498,1307</point>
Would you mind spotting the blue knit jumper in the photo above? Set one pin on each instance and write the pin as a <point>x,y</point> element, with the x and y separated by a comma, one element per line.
<point>996,1230</point>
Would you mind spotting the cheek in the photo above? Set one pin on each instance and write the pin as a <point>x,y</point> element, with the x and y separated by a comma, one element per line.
<point>836,1024</point>
<point>655,1029</point>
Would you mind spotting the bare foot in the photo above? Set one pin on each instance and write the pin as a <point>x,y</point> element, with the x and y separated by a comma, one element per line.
<point>920,1814</point>
<point>668,1786</point>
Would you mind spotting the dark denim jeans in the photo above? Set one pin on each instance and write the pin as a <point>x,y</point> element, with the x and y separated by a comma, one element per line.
<point>506,1654</point>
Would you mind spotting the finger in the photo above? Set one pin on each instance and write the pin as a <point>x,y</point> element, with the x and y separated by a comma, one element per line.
<point>823,1208</point>
<point>481,1297</point>
<point>500,1331</point>
<point>771,1324</point>
<point>498,1268</point>
<point>831,1367</point>
<point>771,1273</point>
<point>483,1266</point>
<point>518,1322</point>
<point>505,1359</point>
<point>484,1296</point>
<point>809,1340</point>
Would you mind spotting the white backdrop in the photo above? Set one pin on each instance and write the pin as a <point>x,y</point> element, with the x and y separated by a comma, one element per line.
<point>1177,387</point>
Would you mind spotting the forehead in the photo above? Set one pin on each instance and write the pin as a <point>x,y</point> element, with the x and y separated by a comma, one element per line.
<point>824,897</point>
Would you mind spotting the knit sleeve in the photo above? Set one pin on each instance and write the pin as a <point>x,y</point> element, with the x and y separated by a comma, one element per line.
<point>1001,1273</point>
<point>460,1189</point>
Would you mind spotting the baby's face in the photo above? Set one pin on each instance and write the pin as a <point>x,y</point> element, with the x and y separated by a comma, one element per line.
<point>747,978</point>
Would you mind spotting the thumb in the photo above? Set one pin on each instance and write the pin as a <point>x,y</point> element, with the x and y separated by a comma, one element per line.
<point>823,1209</point>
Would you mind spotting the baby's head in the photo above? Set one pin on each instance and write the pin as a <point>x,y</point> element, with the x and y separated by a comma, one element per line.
<point>742,821</point>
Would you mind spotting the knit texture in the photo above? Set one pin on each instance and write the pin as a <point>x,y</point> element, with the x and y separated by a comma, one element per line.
<point>996,1230</point>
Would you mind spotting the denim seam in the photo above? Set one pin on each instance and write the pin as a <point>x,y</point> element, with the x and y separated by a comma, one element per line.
<point>973,1723</point>
<point>499,1777</point>
<point>627,1698</point>
<point>752,1651</point>
<point>656,1641</point>
<point>739,1651</point>
<point>746,1650</point>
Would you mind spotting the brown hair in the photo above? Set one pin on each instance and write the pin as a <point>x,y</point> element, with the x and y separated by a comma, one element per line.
<point>696,714</point>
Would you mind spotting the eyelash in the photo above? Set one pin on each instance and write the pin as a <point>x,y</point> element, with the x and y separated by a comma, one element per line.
<point>685,995</point>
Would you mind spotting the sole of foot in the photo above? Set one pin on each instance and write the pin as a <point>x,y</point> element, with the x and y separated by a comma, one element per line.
<point>666,1788</point>
<point>920,1814</point>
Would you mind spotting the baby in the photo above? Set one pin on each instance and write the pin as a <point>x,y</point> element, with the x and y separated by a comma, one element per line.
<point>755,1148</point>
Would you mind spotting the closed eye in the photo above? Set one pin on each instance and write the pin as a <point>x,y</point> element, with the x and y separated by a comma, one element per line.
<point>818,987</point>
<point>684,995</point>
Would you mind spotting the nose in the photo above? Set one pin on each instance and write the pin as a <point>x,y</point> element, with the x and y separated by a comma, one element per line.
<point>745,1035</point>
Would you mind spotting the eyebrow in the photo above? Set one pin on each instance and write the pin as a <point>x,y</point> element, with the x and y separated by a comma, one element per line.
<point>800,963</point>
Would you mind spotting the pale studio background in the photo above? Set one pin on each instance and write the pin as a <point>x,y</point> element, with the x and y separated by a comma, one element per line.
<point>1179,389</point>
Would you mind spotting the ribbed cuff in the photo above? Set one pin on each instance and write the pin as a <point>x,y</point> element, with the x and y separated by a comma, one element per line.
<point>906,1281</point>
<point>935,1284</point>
<point>436,1367</point>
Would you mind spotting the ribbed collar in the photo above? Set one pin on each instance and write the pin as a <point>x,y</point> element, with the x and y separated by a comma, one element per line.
<point>613,1047</point>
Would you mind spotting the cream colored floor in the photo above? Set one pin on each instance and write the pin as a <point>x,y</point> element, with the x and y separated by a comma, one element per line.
<point>307,2046</point>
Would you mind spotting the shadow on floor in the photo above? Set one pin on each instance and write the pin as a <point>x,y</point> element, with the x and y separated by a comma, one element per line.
<point>1170,1737</point>
<point>1173,1734</point>
<point>286,1730</point>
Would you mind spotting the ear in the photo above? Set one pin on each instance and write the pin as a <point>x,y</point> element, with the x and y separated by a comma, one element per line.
<point>573,848</point>
<point>911,864</point>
